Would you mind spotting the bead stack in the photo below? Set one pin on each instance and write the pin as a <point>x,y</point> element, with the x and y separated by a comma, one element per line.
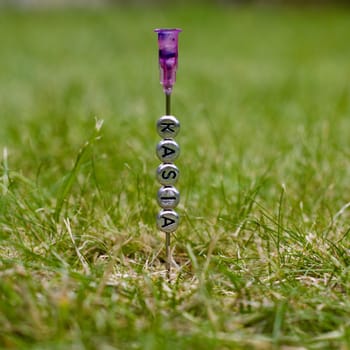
<point>168,196</point>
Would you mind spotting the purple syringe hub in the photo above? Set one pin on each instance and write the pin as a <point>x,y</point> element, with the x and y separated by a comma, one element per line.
<point>168,53</point>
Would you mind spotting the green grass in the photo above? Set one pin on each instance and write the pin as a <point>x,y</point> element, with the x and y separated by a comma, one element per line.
<point>263,250</point>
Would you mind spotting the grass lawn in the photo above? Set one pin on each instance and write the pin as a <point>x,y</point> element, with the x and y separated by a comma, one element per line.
<point>261,259</point>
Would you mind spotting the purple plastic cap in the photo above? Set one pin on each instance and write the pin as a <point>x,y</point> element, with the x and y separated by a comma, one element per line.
<point>168,52</point>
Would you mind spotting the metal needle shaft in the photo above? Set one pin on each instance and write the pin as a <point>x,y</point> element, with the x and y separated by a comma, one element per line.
<point>168,255</point>
<point>167,104</point>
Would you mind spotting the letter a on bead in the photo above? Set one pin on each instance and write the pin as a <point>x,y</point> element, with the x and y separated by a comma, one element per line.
<point>167,220</point>
<point>168,150</point>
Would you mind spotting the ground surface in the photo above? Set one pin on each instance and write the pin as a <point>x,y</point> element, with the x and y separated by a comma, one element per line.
<point>262,256</point>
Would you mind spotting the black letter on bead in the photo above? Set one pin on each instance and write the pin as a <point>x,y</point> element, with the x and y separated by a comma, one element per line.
<point>167,221</point>
<point>168,198</point>
<point>171,173</point>
<point>167,127</point>
<point>167,151</point>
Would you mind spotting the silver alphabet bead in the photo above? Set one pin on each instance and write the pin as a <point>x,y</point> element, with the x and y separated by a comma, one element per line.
<point>168,220</point>
<point>167,174</point>
<point>168,151</point>
<point>168,126</point>
<point>168,197</point>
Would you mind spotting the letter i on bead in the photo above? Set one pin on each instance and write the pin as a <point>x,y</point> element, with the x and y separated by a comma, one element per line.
<point>168,150</point>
